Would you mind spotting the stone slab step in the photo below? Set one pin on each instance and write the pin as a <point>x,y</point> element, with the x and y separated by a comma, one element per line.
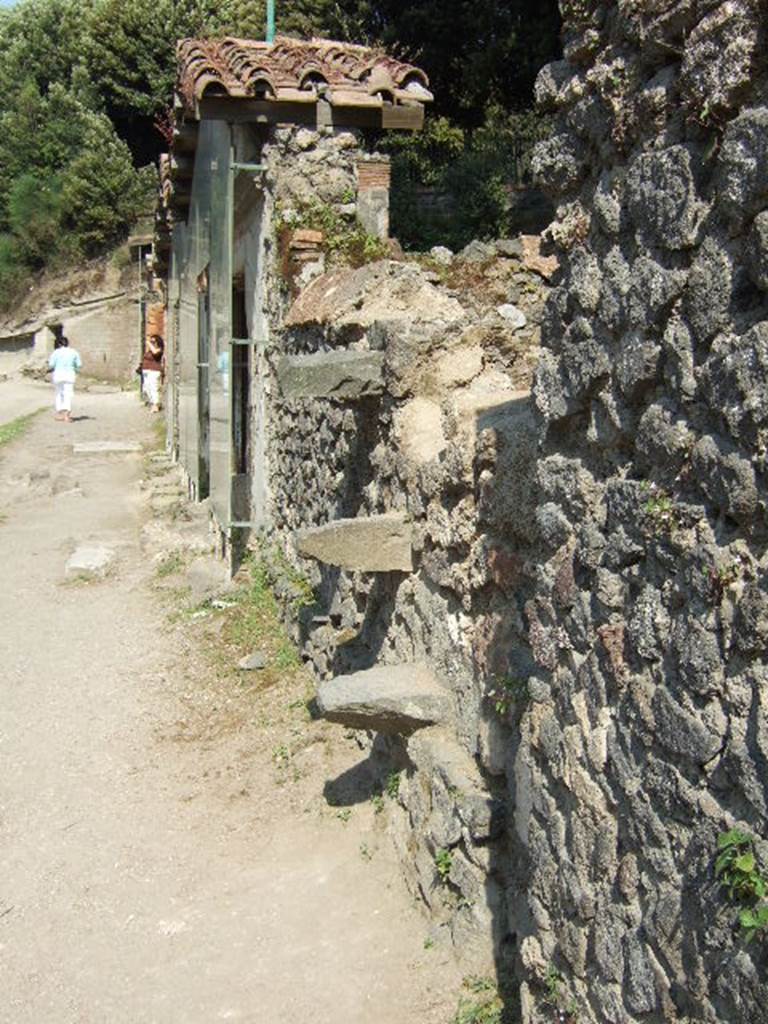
<point>340,375</point>
<point>365,544</point>
<point>388,698</point>
<point>100,447</point>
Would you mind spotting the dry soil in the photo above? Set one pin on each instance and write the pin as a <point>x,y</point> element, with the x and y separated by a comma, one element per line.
<point>166,852</point>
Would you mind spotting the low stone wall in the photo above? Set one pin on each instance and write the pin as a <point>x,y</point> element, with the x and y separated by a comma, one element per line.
<point>392,389</point>
<point>15,351</point>
<point>108,337</point>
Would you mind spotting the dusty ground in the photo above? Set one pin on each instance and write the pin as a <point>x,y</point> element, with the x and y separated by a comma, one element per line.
<point>166,852</point>
<point>20,396</point>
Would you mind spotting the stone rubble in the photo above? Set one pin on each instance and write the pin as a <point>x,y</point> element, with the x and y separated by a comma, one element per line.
<point>253,662</point>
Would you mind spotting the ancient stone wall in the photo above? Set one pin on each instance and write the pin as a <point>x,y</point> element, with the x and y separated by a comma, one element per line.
<point>646,605</point>
<point>383,387</point>
<point>587,569</point>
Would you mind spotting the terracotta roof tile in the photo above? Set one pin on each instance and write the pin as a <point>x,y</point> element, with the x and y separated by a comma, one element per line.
<point>295,70</point>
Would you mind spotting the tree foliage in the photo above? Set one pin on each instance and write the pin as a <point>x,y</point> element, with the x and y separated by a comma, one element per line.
<point>476,52</point>
<point>82,82</point>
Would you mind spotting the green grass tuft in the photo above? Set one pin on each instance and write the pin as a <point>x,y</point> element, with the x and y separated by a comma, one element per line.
<point>14,429</point>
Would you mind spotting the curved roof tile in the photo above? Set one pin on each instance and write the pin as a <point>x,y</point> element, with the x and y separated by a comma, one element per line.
<point>244,67</point>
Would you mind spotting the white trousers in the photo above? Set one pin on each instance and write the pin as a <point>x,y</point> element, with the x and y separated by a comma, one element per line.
<point>150,382</point>
<point>64,390</point>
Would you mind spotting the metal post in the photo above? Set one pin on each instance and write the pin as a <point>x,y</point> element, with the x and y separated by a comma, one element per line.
<point>141,317</point>
<point>270,21</point>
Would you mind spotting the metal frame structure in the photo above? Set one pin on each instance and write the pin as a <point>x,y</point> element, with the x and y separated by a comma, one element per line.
<point>202,262</point>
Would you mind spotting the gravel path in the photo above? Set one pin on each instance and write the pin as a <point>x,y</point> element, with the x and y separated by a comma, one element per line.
<point>149,871</point>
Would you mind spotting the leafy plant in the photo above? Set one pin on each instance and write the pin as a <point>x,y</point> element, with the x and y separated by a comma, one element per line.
<point>452,184</point>
<point>343,243</point>
<point>660,513</point>
<point>171,563</point>
<point>754,922</point>
<point>281,755</point>
<point>508,691</point>
<point>725,576</point>
<point>15,428</point>
<point>565,1011</point>
<point>736,866</point>
<point>552,981</point>
<point>482,1005</point>
<point>393,785</point>
<point>577,11</point>
<point>443,863</point>
<point>378,803</point>
<point>737,869</point>
<point>302,594</point>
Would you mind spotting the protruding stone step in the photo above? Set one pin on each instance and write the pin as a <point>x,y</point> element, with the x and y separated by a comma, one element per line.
<point>387,698</point>
<point>366,544</point>
<point>341,375</point>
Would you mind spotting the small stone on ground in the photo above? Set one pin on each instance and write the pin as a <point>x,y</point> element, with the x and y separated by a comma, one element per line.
<point>253,662</point>
<point>92,561</point>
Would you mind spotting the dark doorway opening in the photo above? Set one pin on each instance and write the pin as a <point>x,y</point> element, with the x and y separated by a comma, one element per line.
<point>241,406</point>
<point>203,395</point>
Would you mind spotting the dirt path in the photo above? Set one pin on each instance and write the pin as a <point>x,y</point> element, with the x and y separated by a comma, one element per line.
<point>20,396</point>
<point>166,854</point>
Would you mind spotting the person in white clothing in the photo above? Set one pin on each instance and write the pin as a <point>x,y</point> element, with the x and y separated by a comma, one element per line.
<point>65,363</point>
<point>153,370</point>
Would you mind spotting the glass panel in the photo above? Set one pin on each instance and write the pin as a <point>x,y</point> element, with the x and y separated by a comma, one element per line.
<point>201,262</point>
<point>221,318</point>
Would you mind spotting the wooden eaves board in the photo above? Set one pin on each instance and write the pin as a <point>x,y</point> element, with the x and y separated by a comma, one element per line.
<point>221,108</point>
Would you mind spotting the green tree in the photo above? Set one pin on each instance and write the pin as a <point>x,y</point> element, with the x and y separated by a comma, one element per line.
<point>475,52</point>
<point>39,42</point>
<point>101,192</point>
<point>34,211</point>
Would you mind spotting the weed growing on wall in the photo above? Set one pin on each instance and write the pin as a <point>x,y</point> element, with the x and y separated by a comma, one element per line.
<point>481,1005</point>
<point>508,692</point>
<point>344,242</point>
<point>725,576</point>
<point>563,1012</point>
<point>301,593</point>
<point>443,864</point>
<point>393,785</point>
<point>660,513</point>
<point>740,876</point>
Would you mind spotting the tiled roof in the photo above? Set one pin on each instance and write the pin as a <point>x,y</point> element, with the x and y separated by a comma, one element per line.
<point>296,71</point>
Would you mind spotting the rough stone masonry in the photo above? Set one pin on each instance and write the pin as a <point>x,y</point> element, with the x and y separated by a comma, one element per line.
<point>383,395</point>
<point>588,562</point>
<point>647,606</point>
